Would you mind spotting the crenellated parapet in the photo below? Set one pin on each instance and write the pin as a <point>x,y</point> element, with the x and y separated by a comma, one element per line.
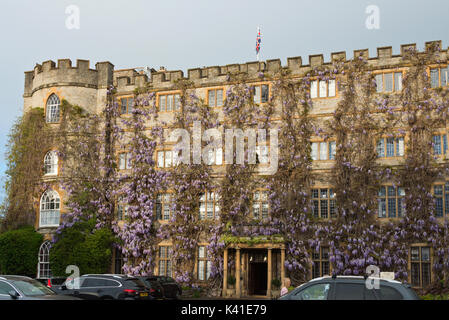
<point>49,74</point>
<point>63,74</point>
<point>218,74</point>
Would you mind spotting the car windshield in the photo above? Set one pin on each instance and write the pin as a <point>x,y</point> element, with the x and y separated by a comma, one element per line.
<point>32,288</point>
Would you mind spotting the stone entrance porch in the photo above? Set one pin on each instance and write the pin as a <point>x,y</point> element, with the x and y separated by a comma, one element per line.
<point>255,266</point>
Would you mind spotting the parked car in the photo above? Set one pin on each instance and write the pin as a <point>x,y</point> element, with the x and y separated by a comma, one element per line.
<point>350,288</point>
<point>107,287</point>
<point>52,282</point>
<point>25,288</point>
<point>156,289</point>
<point>172,290</point>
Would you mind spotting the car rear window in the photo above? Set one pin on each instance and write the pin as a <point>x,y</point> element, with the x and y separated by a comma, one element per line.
<point>349,291</point>
<point>134,283</point>
<point>389,293</point>
<point>32,288</point>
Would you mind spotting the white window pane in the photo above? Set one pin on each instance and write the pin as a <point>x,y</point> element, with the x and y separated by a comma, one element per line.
<point>398,81</point>
<point>162,100</point>
<point>400,147</point>
<point>211,98</point>
<point>314,151</point>
<point>168,158</point>
<point>379,82</point>
<point>332,150</point>
<point>323,92</point>
<point>219,98</point>
<point>122,161</point>
<point>160,159</point>
<point>201,270</point>
<point>314,89</point>
<point>331,88</point>
<point>210,157</point>
<point>201,252</point>
<point>263,157</point>
<point>323,151</point>
<point>128,160</point>
<point>170,102</point>
<point>444,76</point>
<point>257,94</point>
<point>388,77</point>
<point>434,78</point>
<point>177,102</point>
<point>219,157</point>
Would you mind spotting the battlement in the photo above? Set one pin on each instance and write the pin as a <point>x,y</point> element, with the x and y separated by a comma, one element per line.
<point>49,74</point>
<point>215,74</point>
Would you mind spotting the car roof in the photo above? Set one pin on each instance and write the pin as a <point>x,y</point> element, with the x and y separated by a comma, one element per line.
<point>116,276</point>
<point>347,277</point>
<point>14,277</point>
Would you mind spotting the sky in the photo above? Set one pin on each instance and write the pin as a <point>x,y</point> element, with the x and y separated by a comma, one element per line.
<point>185,34</point>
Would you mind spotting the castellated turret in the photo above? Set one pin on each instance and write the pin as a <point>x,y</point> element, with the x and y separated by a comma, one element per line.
<point>79,85</point>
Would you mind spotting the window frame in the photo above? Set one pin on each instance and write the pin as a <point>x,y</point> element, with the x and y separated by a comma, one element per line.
<point>215,204</point>
<point>329,197</point>
<point>166,260</point>
<point>54,164</point>
<point>58,202</point>
<point>443,143</point>
<point>328,153</point>
<point>396,146</point>
<point>207,264</point>
<point>444,198</point>
<point>43,261</point>
<point>253,92</point>
<point>321,260</point>
<point>387,197</point>
<point>127,160</point>
<point>128,107</point>
<point>162,197</point>
<point>393,84</point>
<point>49,104</point>
<point>318,81</point>
<point>260,202</point>
<point>439,67</point>
<point>215,97</point>
<point>166,94</point>
<point>420,262</point>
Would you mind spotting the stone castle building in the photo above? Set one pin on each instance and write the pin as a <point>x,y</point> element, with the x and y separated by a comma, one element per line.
<point>49,83</point>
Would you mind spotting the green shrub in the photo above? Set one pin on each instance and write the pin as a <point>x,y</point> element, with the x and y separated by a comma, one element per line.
<point>19,251</point>
<point>81,245</point>
<point>276,283</point>
<point>231,280</point>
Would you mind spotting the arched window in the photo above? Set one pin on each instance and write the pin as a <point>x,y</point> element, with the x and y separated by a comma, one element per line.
<point>51,163</point>
<point>49,209</point>
<point>52,110</point>
<point>43,267</point>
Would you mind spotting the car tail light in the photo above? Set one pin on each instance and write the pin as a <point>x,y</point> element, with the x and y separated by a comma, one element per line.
<point>49,283</point>
<point>130,291</point>
<point>152,290</point>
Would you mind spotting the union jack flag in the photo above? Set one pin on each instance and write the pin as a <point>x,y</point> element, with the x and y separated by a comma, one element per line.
<point>258,40</point>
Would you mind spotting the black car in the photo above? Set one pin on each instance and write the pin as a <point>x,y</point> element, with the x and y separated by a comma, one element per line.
<point>156,289</point>
<point>52,282</point>
<point>351,288</point>
<point>107,287</point>
<point>25,288</point>
<point>172,290</point>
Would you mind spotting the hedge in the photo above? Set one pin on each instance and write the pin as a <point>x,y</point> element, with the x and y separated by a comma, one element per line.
<point>81,245</point>
<point>19,251</point>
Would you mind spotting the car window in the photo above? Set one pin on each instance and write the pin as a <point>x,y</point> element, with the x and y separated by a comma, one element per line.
<point>32,287</point>
<point>93,282</point>
<point>111,283</point>
<point>389,293</point>
<point>318,291</point>
<point>349,291</point>
<point>5,288</point>
<point>370,294</point>
<point>134,283</point>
